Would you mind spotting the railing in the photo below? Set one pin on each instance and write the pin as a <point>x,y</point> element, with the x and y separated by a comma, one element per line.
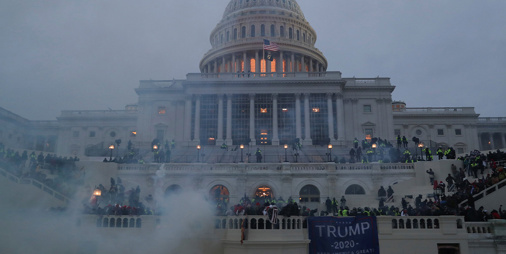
<point>119,222</point>
<point>260,223</point>
<point>184,167</point>
<point>438,110</point>
<point>256,75</point>
<point>491,119</point>
<point>479,228</point>
<point>37,184</point>
<point>486,192</point>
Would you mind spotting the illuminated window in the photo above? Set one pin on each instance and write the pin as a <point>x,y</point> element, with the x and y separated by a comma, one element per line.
<point>263,110</point>
<point>316,110</point>
<point>284,65</point>
<point>263,67</point>
<point>273,65</point>
<point>284,110</point>
<point>242,65</point>
<point>264,191</point>
<point>253,65</point>
<point>162,110</point>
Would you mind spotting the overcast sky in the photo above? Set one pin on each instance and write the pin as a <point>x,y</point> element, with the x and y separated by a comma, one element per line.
<point>90,55</point>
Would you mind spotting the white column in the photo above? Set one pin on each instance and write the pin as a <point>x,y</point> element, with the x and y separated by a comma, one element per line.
<point>310,64</point>
<point>234,64</point>
<point>220,120</point>
<point>196,136</point>
<point>275,137</point>
<point>340,119</point>
<point>244,58</point>
<point>252,119</point>
<point>222,64</point>
<point>292,63</point>
<point>229,120</point>
<point>298,126</point>
<point>188,118</point>
<point>302,64</point>
<point>330,117</point>
<point>280,64</point>
<point>307,119</point>
<point>257,63</point>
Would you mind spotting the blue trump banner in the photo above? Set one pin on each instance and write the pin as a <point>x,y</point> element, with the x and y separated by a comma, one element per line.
<point>343,235</point>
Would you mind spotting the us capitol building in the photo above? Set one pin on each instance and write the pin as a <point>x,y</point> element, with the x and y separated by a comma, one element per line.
<point>243,102</point>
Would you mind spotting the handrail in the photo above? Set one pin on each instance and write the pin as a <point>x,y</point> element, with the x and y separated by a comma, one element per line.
<point>56,194</point>
<point>486,192</point>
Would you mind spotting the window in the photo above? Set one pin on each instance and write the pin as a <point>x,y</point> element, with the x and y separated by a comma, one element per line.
<point>367,109</point>
<point>92,134</point>
<point>235,33</point>
<point>419,132</point>
<point>162,110</point>
<point>273,31</point>
<point>228,36</point>
<point>309,193</point>
<point>458,132</point>
<point>112,134</point>
<point>160,134</point>
<point>252,31</point>
<point>460,150</point>
<point>133,134</point>
<point>397,132</point>
<point>355,189</point>
<point>264,191</point>
<point>75,134</point>
<point>262,30</point>
<point>219,194</point>
<point>282,31</point>
<point>290,33</point>
<point>243,32</point>
<point>298,35</point>
<point>440,132</point>
<point>369,133</point>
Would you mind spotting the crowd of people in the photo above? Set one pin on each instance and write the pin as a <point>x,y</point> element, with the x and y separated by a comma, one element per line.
<point>116,201</point>
<point>59,173</point>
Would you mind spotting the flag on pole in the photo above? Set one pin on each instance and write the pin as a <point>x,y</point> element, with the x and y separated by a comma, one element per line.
<point>271,46</point>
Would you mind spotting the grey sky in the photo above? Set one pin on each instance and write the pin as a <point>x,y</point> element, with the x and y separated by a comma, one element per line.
<point>88,55</point>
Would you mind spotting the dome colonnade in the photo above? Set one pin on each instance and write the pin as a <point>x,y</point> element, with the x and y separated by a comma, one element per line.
<point>238,39</point>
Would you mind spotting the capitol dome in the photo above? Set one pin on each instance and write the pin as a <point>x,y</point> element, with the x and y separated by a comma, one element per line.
<point>238,40</point>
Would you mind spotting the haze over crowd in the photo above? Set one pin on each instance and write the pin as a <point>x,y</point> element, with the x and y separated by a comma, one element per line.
<point>89,55</point>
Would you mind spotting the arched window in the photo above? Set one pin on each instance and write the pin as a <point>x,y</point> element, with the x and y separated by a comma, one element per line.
<point>264,191</point>
<point>221,38</point>
<point>355,189</point>
<point>309,193</point>
<point>219,194</point>
<point>262,30</point>
<point>252,32</point>
<point>173,189</point>
<point>253,65</point>
<point>273,31</point>
<point>235,33</point>
<point>290,33</point>
<point>298,35</point>
<point>273,65</point>
<point>304,37</point>
<point>228,36</point>
<point>243,32</point>
<point>282,31</point>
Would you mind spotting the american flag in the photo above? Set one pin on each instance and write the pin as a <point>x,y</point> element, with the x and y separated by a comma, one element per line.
<point>271,46</point>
